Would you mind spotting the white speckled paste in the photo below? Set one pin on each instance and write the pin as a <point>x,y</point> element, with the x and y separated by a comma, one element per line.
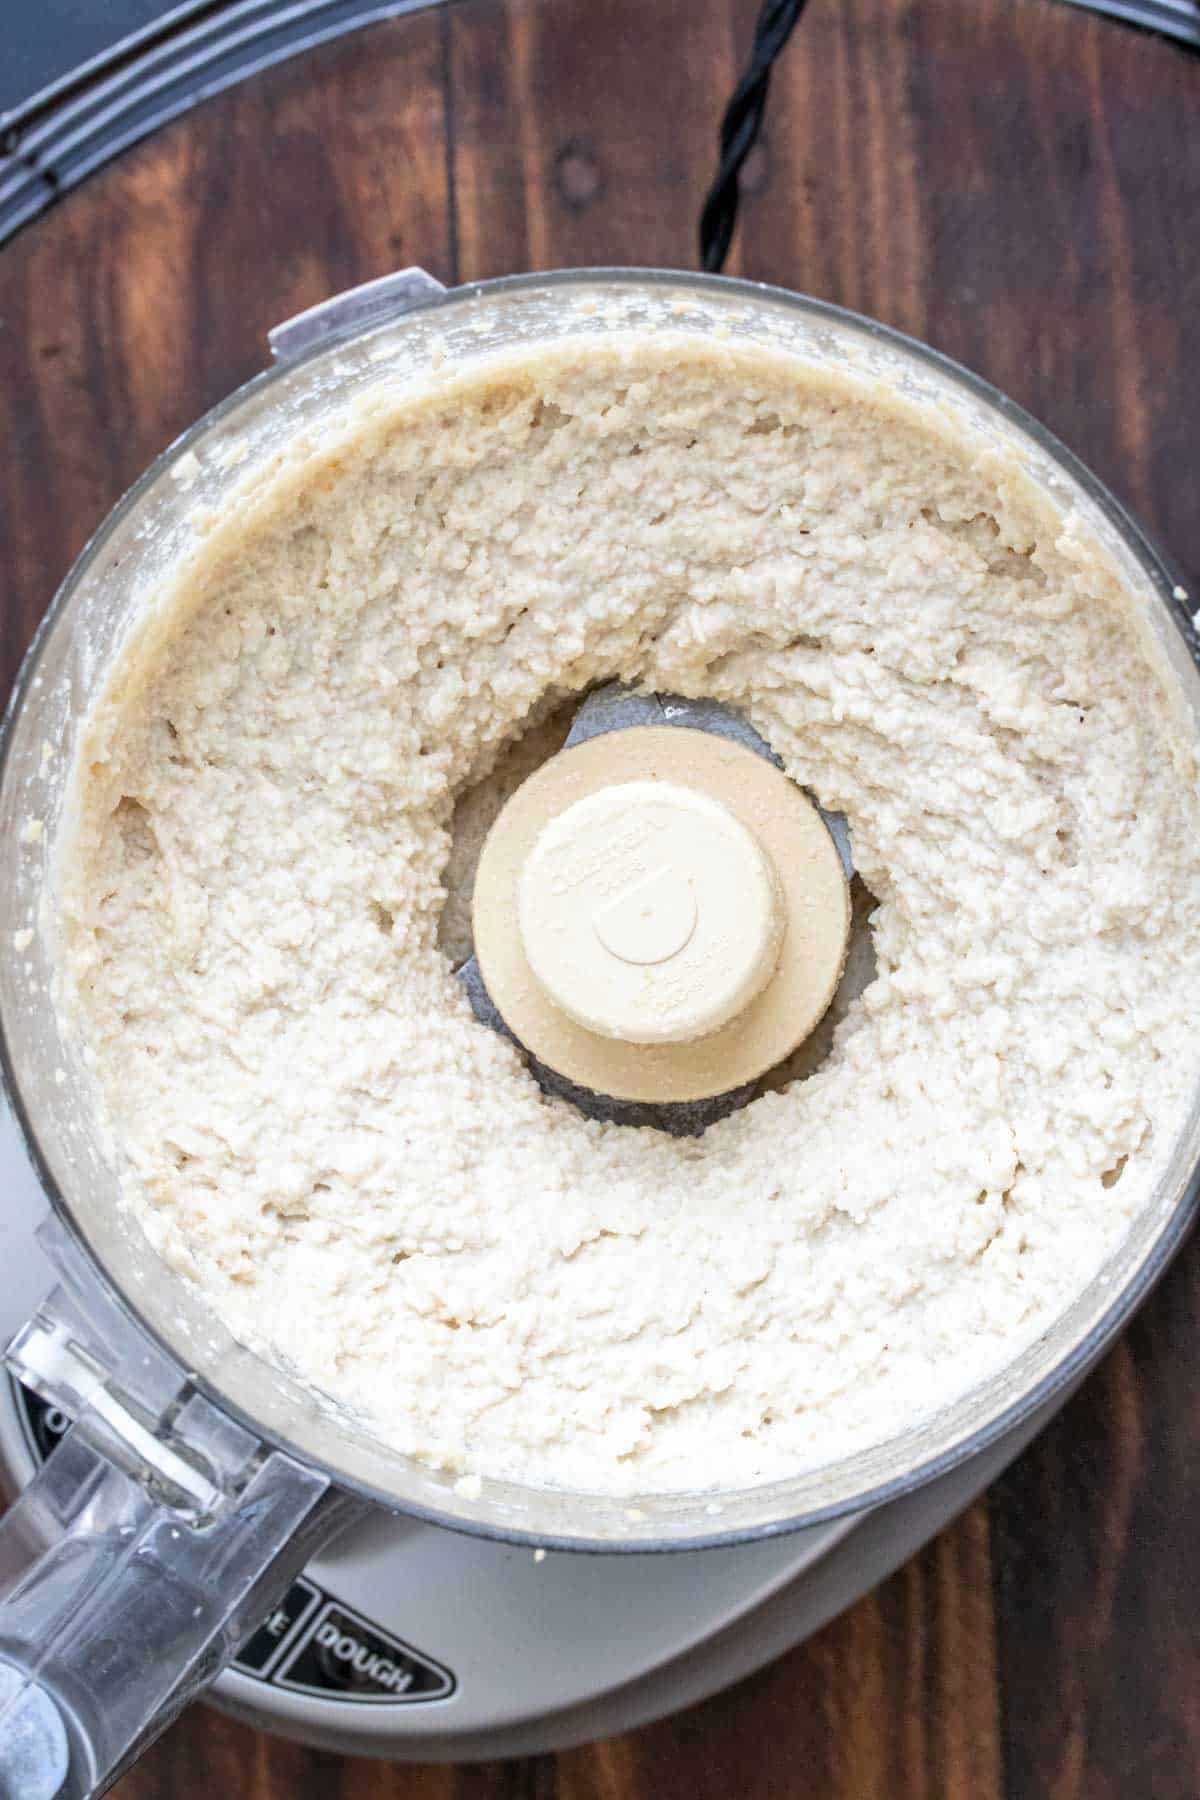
<point>366,1183</point>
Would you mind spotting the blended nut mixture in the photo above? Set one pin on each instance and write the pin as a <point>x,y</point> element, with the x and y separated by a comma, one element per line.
<point>368,1185</point>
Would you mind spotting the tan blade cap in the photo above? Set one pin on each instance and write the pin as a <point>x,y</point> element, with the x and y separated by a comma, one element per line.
<point>649,913</point>
<point>660,914</point>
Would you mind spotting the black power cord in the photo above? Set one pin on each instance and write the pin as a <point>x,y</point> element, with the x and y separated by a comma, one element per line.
<point>740,128</point>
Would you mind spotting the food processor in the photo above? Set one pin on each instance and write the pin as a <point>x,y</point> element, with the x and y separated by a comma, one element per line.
<point>204,1517</point>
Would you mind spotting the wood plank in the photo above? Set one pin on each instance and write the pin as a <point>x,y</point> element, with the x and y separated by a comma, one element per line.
<point>838,207</point>
<point>145,297</point>
<point>585,131</point>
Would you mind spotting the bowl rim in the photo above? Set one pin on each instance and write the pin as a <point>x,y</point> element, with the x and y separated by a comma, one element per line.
<point>1127,1296</point>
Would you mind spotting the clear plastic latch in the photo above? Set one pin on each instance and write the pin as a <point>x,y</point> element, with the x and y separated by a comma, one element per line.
<point>84,1354</point>
<point>354,310</point>
<point>47,1357</point>
<point>150,1543</point>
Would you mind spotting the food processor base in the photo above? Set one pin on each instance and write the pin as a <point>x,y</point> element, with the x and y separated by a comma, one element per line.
<point>404,1640</point>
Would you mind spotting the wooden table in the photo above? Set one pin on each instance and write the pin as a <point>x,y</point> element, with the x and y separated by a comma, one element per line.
<point>1012,180</point>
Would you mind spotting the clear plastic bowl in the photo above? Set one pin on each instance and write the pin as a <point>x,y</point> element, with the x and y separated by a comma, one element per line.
<point>114,580</point>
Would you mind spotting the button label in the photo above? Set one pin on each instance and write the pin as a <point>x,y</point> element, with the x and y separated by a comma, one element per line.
<point>342,1656</point>
<point>279,1632</point>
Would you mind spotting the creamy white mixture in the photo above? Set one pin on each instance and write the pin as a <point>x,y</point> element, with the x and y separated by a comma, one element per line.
<point>368,1185</point>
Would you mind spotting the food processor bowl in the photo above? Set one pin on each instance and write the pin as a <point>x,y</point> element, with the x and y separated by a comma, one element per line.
<point>126,1323</point>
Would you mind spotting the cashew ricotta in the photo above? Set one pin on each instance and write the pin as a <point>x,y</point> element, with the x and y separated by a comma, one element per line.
<point>366,1183</point>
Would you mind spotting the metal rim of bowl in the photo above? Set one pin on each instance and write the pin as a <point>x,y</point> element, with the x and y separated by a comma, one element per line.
<point>1127,1298</point>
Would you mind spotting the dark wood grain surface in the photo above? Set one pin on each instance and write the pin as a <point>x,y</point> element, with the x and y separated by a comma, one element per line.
<point>1012,180</point>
